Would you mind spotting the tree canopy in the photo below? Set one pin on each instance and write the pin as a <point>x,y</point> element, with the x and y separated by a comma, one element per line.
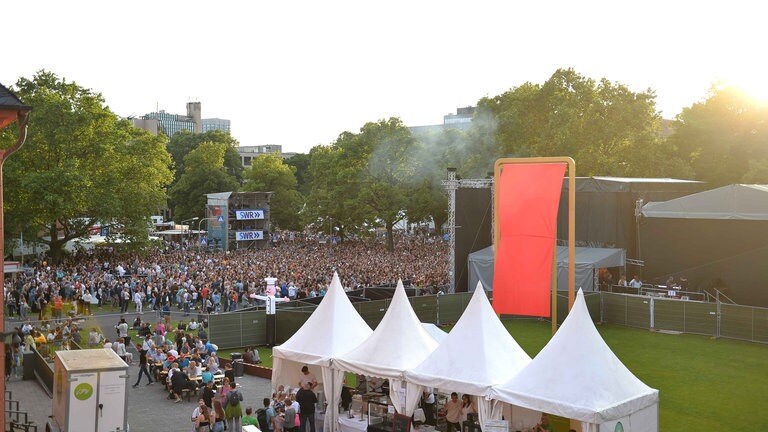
<point>604,126</point>
<point>725,137</point>
<point>204,173</point>
<point>81,165</point>
<point>270,173</point>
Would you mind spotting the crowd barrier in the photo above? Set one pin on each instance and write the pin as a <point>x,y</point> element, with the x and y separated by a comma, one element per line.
<point>649,310</point>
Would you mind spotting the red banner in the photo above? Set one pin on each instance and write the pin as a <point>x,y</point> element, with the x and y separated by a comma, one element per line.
<point>528,198</point>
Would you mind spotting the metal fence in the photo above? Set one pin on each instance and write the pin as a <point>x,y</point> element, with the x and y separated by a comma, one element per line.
<point>686,316</point>
<point>234,330</point>
<point>239,329</point>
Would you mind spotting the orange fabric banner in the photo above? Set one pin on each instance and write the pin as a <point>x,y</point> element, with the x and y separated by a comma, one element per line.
<point>528,199</point>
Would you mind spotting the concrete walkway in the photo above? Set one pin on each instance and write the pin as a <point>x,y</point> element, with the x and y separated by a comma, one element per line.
<point>148,406</point>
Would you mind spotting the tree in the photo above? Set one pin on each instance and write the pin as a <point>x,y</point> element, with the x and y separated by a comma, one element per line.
<point>375,161</point>
<point>204,173</point>
<point>184,141</point>
<point>301,164</point>
<point>431,155</point>
<point>270,173</point>
<point>81,165</point>
<point>330,202</point>
<point>725,137</point>
<point>605,127</point>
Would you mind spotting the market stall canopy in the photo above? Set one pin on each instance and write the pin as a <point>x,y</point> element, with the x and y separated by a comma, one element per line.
<point>737,201</point>
<point>478,353</point>
<point>437,334</point>
<point>399,343</point>
<point>334,328</point>
<point>577,376</point>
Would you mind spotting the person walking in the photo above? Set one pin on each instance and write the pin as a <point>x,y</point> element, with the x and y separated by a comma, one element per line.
<point>142,366</point>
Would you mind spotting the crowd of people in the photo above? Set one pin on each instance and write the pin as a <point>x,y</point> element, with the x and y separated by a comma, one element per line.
<point>189,279</point>
<point>186,279</point>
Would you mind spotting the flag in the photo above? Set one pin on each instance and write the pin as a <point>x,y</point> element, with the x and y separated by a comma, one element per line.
<point>528,198</point>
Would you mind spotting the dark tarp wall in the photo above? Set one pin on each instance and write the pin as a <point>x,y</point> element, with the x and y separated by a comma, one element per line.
<point>716,238</point>
<point>605,208</point>
<point>474,229</point>
<point>733,251</point>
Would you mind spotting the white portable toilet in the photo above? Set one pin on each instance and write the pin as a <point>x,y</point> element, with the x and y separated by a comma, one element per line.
<point>90,392</point>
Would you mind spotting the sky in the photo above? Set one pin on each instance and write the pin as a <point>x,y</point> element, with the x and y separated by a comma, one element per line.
<point>299,73</point>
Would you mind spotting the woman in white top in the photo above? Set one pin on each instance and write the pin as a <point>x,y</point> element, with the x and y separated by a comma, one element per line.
<point>119,347</point>
<point>467,407</point>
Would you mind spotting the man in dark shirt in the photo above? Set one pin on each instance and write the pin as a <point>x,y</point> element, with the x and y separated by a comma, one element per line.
<point>307,400</point>
<point>142,366</point>
<point>208,394</point>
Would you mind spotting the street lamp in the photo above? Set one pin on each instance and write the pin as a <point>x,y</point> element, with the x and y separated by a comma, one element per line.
<point>11,110</point>
<point>183,230</point>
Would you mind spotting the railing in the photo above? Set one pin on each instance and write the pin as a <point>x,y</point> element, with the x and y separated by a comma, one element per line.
<point>15,419</point>
<point>656,291</point>
<point>717,319</point>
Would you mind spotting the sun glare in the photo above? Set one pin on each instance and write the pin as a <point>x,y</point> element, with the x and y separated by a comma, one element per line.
<point>755,87</point>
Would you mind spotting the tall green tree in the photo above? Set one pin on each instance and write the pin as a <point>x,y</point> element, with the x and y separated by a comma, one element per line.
<point>432,154</point>
<point>607,128</point>
<point>204,173</point>
<point>183,142</point>
<point>725,137</point>
<point>301,162</point>
<point>81,165</point>
<point>376,161</point>
<point>270,173</point>
<point>331,198</point>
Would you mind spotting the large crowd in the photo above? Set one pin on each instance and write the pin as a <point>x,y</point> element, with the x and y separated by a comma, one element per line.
<point>188,278</point>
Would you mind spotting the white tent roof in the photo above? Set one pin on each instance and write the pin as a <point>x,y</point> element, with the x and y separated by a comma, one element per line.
<point>737,201</point>
<point>601,389</point>
<point>477,354</point>
<point>399,343</point>
<point>437,334</point>
<point>333,329</point>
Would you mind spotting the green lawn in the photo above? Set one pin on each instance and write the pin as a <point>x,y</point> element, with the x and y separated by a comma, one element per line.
<point>704,384</point>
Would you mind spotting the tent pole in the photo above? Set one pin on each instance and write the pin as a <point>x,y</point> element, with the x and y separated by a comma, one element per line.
<point>554,286</point>
<point>571,232</point>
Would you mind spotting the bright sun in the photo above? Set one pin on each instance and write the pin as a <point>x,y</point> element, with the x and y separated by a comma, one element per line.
<point>754,86</point>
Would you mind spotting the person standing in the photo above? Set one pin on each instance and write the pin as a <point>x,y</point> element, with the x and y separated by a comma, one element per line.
<point>307,378</point>
<point>307,400</point>
<point>234,409</point>
<point>142,365</point>
<point>137,300</point>
<point>453,413</point>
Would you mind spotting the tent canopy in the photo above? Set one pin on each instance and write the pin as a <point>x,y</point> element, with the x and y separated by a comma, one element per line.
<point>496,357</point>
<point>588,261</point>
<point>333,329</point>
<point>399,343</point>
<point>601,390</point>
<point>737,201</point>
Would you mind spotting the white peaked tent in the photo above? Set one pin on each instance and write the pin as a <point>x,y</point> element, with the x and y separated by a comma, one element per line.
<point>333,329</point>
<point>600,392</point>
<point>398,344</point>
<point>434,331</point>
<point>477,354</point>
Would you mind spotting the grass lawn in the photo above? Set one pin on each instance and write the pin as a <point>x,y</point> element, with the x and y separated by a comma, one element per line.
<point>704,384</point>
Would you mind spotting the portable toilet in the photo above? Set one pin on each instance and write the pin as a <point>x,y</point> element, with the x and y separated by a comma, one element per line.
<point>90,392</point>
